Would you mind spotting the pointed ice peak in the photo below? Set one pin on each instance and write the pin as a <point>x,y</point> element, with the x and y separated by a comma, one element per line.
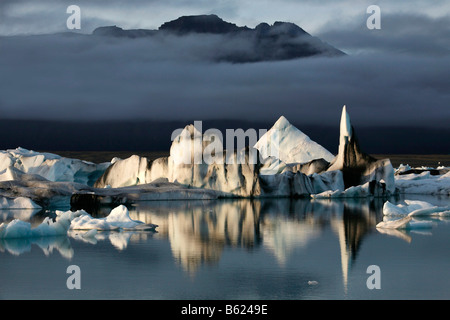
<point>344,138</point>
<point>346,125</point>
<point>290,145</point>
<point>282,122</point>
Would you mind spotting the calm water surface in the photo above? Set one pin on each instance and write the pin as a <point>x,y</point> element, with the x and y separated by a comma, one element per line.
<point>242,249</point>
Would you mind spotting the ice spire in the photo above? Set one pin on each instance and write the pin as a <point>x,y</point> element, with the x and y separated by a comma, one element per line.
<point>345,130</point>
<point>346,126</point>
<point>344,138</point>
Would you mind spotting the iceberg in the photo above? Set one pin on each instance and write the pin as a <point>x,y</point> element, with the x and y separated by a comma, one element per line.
<point>299,167</point>
<point>402,168</point>
<point>423,183</point>
<point>362,191</point>
<point>414,208</point>
<point>290,145</point>
<point>48,228</point>
<point>229,176</point>
<point>118,219</point>
<point>43,192</point>
<point>403,216</point>
<point>407,169</point>
<point>358,167</point>
<point>288,164</point>
<point>49,166</point>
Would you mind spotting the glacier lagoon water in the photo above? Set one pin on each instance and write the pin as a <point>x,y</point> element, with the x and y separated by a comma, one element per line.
<point>237,249</point>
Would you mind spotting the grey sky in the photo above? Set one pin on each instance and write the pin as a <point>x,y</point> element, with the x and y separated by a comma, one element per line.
<point>395,76</point>
<point>27,16</point>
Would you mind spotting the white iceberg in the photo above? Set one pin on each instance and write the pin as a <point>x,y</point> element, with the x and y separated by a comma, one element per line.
<point>423,183</point>
<point>290,145</point>
<point>49,166</point>
<point>119,218</point>
<point>360,191</point>
<point>298,168</point>
<point>408,213</point>
<point>302,168</point>
<point>414,208</point>
<point>345,136</point>
<point>22,229</point>
<point>359,167</point>
<point>402,168</point>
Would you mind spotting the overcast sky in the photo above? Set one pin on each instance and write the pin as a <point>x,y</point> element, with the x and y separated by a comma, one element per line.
<point>398,75</point>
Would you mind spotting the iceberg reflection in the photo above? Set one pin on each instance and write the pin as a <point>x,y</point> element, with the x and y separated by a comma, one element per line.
<point>19,246</point>
<point>199,231</point>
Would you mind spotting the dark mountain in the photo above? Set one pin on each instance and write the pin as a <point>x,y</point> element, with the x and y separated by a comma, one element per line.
<point>114,31</point>
<point>280,41</point>
<point>201,24</point>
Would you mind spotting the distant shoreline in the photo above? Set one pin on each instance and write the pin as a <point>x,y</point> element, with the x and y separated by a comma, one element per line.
<point>417,160</point>
<point>414,160</point>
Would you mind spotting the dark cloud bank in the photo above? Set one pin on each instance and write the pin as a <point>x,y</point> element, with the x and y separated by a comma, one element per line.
<point>84,92</point>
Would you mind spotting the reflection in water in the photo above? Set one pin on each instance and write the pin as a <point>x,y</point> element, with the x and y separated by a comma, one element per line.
<point>119,239</point>
<point>33,216</point>
<point>262,248</point>
<point>358,219</point>
<point>47,245</point>
<point>402,234</point>
<point>199,231</point>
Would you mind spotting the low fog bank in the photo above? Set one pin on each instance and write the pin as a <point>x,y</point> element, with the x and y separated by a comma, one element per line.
<point>76,77</point>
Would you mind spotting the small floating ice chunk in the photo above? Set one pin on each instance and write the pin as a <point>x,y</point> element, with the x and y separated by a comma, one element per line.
<point>408,211</point>
<point>15,229</point>
<point>119,218</point>
<point>433,211</point>
<point>48,228</point>
<point>414,208</point>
